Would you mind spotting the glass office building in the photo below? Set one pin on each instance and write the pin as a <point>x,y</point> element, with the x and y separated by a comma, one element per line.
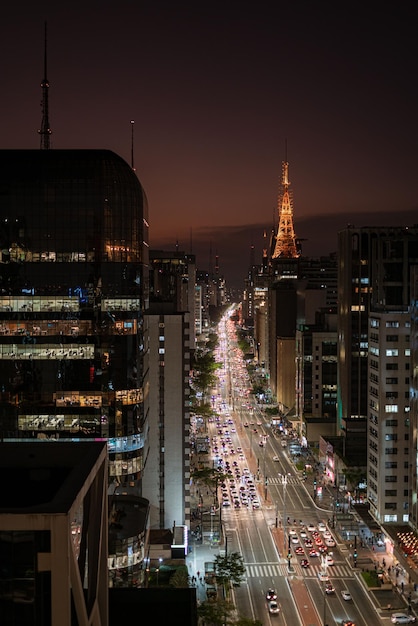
<point>73,289</point>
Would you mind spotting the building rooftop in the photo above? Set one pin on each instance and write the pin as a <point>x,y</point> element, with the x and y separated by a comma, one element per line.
<point>45,476</point>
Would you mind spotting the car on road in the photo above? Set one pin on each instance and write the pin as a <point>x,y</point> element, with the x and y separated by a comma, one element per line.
<point>276,458</point>
<point>273,607</point>
<point>271,594</point>
<point>402,618</point>
<point>313,552</point>
<point>321,527</point>
<point>347,622</point>
<point>329,560</point>
<point>330,542</point>
<point>311,528</point>
<point>329,588</point>
<point>304,563</point>
<point>323,576</point>
<point>346,595</point>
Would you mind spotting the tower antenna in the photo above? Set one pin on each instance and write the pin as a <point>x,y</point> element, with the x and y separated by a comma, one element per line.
<point>45,131</point>
<point>132,144</point>
<point>285,246</point>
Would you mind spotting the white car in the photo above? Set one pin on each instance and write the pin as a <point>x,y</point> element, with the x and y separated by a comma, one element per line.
<point>402,618</point>
<point>321,527</point>
<point>276,458</point>
<point>346,595</point>
<point>330,560</point>
<point>323,577</point>
<point>273,607</point>
<point>311,528</point>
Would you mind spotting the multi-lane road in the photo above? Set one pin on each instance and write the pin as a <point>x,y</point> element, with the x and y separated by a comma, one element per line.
<point>282,503</point>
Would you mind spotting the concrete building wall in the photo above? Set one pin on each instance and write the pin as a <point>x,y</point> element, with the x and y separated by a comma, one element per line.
<point>390,428</point>
<point>166,473</point>
<point>286,373</point>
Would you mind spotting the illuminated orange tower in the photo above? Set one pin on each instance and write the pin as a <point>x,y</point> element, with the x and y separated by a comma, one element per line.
<point>285,246</point>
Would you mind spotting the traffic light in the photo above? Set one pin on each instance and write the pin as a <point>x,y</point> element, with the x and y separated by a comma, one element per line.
<point>314,482</point>
<point>355,554</point>
<point>289,555</point>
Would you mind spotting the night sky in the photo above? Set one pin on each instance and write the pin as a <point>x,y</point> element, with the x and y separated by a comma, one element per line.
<point>217,90</point>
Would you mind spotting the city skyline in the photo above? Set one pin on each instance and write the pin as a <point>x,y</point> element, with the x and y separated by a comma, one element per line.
<point>216,94</point>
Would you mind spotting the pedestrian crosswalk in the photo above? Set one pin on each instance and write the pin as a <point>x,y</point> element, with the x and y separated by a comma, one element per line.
<point>275,480</point>
<point>270,570</point>
<point>264,570</point>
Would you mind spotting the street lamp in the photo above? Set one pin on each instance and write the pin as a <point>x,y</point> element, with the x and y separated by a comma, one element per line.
<point>158,570</point>
<point>284,483</point>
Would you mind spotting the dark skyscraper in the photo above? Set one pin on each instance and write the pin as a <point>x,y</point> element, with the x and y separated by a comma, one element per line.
<point>73,288</point>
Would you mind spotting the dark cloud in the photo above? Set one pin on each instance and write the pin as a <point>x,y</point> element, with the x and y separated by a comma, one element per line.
<point>238,246</point>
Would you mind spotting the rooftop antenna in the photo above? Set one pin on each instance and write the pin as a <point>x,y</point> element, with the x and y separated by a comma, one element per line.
<point>132,144</point>
<point>45,131</point>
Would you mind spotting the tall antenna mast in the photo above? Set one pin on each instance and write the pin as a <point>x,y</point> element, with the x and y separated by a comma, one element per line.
<point>132,144</point>
<point>285,246</point>
<point>45,131</point>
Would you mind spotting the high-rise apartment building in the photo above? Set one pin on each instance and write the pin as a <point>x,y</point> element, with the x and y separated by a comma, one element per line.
<point>172,337</point>
<point>374,331</point>
<point>389,433</point>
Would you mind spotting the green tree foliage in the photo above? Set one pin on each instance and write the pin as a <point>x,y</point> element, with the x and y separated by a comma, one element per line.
<point>217,613</point>
<point>180,578</point>
<point>204,367</point>
<point>354,476</point>
<point>229,568</point>
<point>210,477</point>
<point>212,341</point>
